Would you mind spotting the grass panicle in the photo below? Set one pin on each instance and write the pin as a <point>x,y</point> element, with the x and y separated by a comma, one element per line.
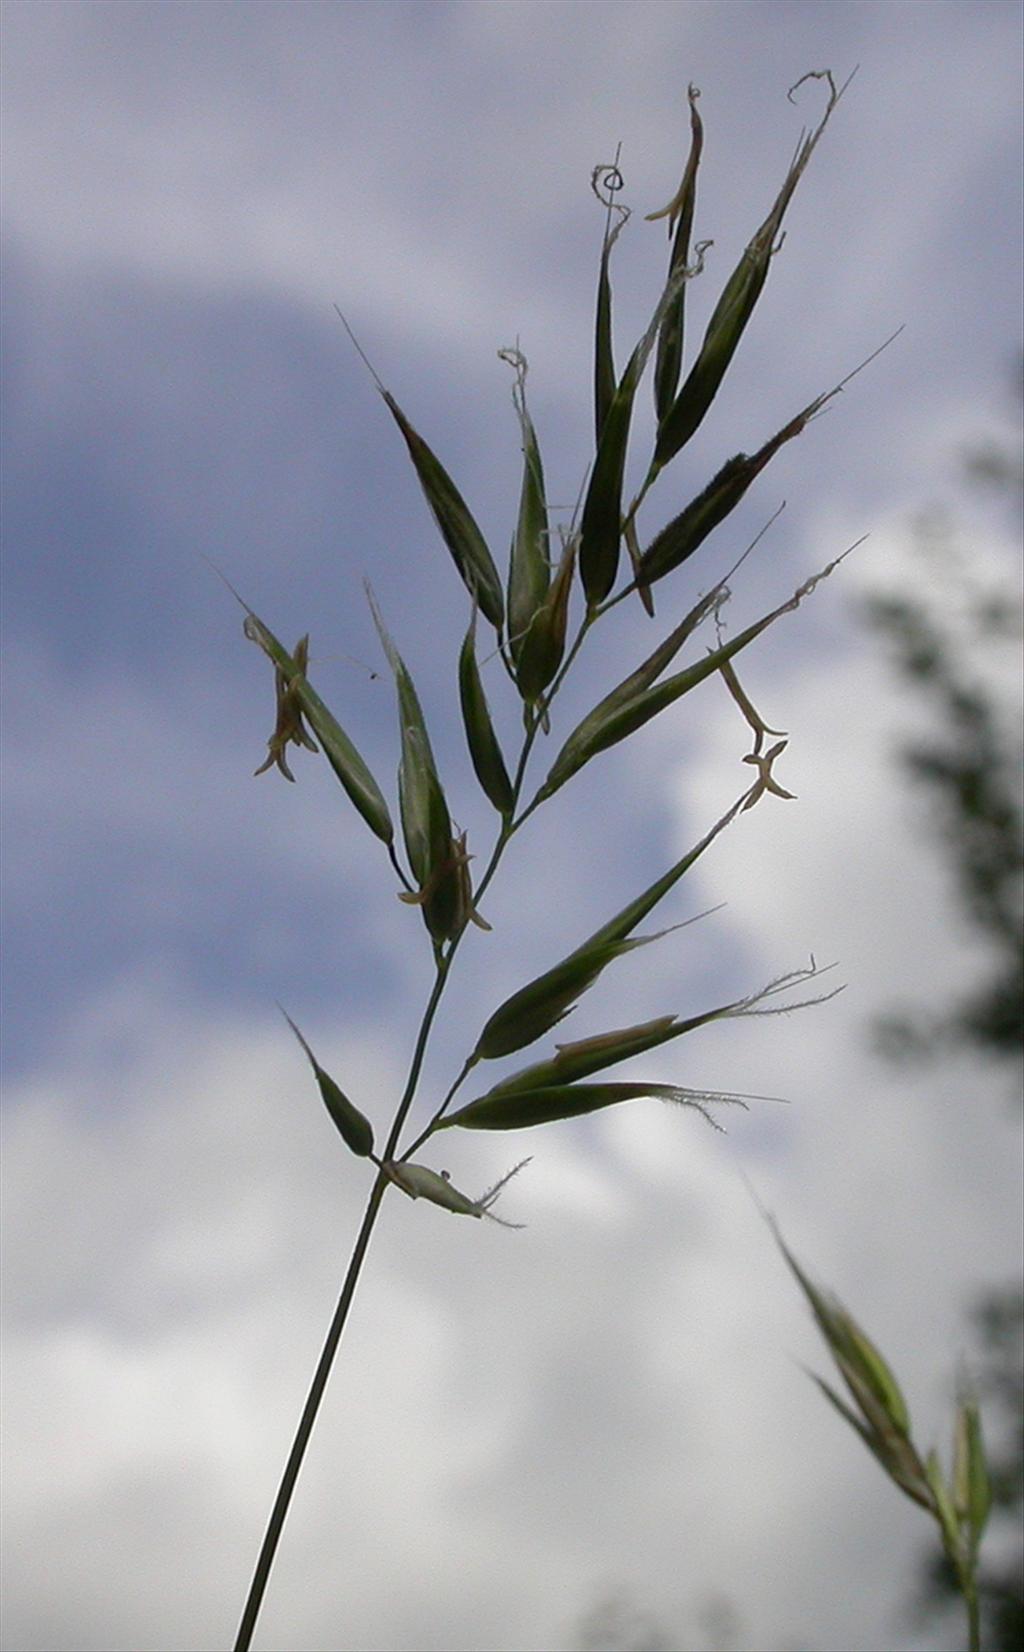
<point>538,1007</point>
<point>539,639</point>
<point>686,532</point>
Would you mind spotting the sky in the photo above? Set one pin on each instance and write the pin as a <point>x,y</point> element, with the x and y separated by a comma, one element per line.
<point>608,1405</point>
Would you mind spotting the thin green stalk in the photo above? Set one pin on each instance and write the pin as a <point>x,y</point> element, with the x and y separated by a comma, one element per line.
<point>467,1067</point>
<point>396,863</point>
<point>278,1514</point>
<point>973,1618</point>
<point>283,1499</point>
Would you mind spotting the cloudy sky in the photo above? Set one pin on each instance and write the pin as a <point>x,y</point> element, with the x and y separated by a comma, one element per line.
<point>608,1404</point>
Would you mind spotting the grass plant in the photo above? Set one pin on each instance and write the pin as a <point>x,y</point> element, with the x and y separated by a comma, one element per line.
<point>959,1502</point>
<point>560,583</point>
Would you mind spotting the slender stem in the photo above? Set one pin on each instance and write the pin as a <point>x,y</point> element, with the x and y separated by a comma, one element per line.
<point>306,1421</point>
<point>403,880</point>
<point>973,1617</point>
<point>467,1067</point>
<point>570,658</point>
<point>283,1499</point>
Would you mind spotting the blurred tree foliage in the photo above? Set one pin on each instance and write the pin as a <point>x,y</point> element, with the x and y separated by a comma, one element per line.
<point>616,1623</point>
<point>953,622</point>
<point>955,641</point>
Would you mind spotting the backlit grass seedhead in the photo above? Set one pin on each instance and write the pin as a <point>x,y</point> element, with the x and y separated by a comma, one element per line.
<point>585,1057</point>
<point>945,1512</point>
<point>687,532</point>
<point>426,822</point>
<point>447,896</point>
<point>625,694</point>
<point>601,523</point>
<point>636,910</point>
<point>867,1375</point>
<point>893,1451</point>
<point>538,1007</point>
<point>962,1504</point>
<point>864,1368</point>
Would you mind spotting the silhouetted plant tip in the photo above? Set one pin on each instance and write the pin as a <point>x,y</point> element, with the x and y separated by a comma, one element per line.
<point>538,636</point>
<point>877,1411</point>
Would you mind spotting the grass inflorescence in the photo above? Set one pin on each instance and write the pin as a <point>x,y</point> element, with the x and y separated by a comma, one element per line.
<point>527,615</point>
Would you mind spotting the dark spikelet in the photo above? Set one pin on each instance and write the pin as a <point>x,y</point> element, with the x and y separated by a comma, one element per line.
<point>454,519</point>
<point>609,179</point>
<point>484,750</point>
<point>529,573</point>
<point>679,213</point>
<point>736,304</point>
